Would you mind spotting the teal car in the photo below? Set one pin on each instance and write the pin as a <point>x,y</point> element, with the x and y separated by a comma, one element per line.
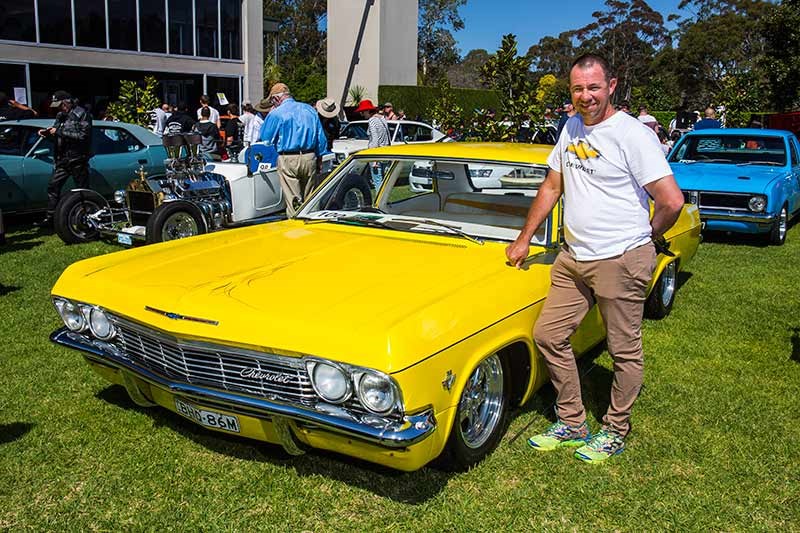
<point>26,160</point>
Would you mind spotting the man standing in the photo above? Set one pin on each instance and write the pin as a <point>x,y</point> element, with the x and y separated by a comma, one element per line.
<point>162,114</point>
<point>179,121</point>
<point>204,104</point>
<point>647,119</point>
<point>296,132</point>
<point>567,112</point>
<point>379,135</point>
<point>709,122</point>
<point>72,131</point>
<point>605,166</point>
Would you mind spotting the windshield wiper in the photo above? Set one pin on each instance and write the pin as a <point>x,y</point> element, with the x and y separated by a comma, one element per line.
<point>453,230</point>
<point>771,163</point>
<point>360,219</point>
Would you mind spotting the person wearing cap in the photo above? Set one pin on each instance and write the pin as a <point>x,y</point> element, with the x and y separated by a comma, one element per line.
<point>328,111</point>
<point>379,135</point>
<point>388,111</point>
<point>568,111</point>
<point>295,131</point>
<point>72,133</point>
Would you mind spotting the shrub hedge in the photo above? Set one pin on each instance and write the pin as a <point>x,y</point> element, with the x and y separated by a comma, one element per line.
<point>416,101</point>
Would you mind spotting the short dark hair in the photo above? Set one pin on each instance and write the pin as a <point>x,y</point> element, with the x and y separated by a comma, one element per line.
<point>233,109</point>
<point>248,108</point>
<point>205,99</point>
<point>588,60</point>
<point>183,107</point>
<point>205,112</point>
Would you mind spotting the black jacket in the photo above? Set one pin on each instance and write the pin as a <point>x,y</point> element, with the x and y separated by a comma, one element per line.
<point>178,122</point>
<point>73,134</point>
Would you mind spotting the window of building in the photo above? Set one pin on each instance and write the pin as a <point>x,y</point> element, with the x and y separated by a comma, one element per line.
<point>206,13</point>
<point>228,86</point>
<point>180,27</point>
<point>122,24</point>
<point>90,23</point>
<point>18,21</point>
<point>152,26</point>
<point>231,29</point>
<point>55,21</point>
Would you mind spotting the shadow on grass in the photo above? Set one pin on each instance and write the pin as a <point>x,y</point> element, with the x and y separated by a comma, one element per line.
<point>13,431</point>
<point>682,279</point>
<point>759,240</point>
<point>22,240</point>
<point>795,355</point>
<point>7,289</point>
<point>413,488</point>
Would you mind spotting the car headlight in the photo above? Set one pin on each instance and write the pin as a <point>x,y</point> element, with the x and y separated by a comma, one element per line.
<point>100,325</point>
<point>72,314</point>
<point>329,381</point>
<point>377,393</point>
<point>119,197</point>
<point>757,204</point>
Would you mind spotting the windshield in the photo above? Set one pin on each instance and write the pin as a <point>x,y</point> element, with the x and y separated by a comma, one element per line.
<point>467,199</point>
<point>730,149</point>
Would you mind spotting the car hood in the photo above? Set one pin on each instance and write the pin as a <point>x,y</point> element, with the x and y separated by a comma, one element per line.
<point>370,297</point>
<point>724,177</point>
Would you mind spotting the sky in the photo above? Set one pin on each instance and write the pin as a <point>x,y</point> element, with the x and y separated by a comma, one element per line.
<point>486,21</point>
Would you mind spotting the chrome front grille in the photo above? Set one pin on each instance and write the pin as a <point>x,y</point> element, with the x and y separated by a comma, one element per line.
<point>219,367</point>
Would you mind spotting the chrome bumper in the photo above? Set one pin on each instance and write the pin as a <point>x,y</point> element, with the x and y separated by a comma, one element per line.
<point>389,434</point>
<point>716,214</point>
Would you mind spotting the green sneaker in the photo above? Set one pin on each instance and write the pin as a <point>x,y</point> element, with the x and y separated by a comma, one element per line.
<point>602,445</point>
<point>559,434</point>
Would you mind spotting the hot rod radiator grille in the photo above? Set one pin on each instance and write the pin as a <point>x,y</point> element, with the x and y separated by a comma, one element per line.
<point>219,367</point>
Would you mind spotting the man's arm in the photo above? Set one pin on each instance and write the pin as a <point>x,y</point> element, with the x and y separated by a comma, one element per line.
<point>668,202</point>
<point>547,196</point>
<point>269,129</point>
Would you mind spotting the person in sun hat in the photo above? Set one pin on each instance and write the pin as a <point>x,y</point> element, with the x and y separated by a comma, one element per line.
<point>328,111</point>
<point>294,129</point>
<point>379,135</point>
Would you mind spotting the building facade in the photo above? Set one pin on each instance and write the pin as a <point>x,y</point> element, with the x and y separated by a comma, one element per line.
<point>86,47</point>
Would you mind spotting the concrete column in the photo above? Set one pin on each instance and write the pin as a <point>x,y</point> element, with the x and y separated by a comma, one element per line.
<point>371,43</point>
<point>253,50</point>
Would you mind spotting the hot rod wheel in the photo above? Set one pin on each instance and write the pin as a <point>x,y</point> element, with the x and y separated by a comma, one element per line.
<point>175,220</point>
<point>71,217</point>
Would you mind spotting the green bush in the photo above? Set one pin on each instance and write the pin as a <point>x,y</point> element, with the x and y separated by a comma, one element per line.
<point>663,117</point>
<point>418,101</point>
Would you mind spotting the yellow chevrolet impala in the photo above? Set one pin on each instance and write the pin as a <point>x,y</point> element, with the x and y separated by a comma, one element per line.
<point>380,324</point>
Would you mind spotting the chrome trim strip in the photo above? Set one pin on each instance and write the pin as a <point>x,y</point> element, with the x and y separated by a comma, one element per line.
<point>178,316</point>
<point>411,430</point>
<point>736,217</point>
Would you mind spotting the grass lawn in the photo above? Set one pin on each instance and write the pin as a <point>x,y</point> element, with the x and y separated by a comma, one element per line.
<point>715,442</point>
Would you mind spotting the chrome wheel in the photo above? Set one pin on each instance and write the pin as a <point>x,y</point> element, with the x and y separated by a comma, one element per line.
<point>481,404</point>
<point>353,199</point>
<point>178,226</point>
<point>668,282</point>
<point>782,220</point>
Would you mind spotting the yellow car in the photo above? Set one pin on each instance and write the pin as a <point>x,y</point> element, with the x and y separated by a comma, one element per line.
<point>382,325</point>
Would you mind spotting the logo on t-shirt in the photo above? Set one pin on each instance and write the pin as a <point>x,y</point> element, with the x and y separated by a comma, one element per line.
<point>582,149</point>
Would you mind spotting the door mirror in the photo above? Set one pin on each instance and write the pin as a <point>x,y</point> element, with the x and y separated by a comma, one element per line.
<point>41,153</point>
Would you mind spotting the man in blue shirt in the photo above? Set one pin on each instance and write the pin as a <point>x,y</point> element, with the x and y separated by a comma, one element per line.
<point>296,132</point>
<point>709,122</point>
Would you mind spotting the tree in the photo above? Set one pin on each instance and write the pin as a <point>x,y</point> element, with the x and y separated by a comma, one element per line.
<point>627,35</point>
<point>467,72</point>
<point>436,46</point>
<point>136,102</point>
<point>509,74</point>
<point>781,62</point>
<point>445,112</point>
<point>554,55</point>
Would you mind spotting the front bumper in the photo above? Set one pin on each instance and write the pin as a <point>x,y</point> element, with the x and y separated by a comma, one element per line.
<point>743,222</point>
<point>411,430</point>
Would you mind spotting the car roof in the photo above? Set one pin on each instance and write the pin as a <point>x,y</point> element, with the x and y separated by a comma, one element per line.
<point>472,151</point>
<point>143,134</point>
<point>741,131</point>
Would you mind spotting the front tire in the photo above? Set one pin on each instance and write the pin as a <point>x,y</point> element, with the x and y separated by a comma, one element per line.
<point>659,303</point>
<point>175,220</point>
<point>70,219</point>
<point>777,236</point>
<point>482,414</point>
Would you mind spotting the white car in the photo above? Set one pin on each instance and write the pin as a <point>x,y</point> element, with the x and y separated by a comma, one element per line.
<point>484,176</point>
<point>354,136</point>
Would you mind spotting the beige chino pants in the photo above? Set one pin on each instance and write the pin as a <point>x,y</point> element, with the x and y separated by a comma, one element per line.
<point>618,286</point>
<point>296,173</point>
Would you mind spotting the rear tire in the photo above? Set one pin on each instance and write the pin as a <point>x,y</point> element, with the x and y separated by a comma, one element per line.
<point>482,414</point>
<point>175,220</point>
<point>659,303</point>
<point>70,219</point>
<point>777,235</point>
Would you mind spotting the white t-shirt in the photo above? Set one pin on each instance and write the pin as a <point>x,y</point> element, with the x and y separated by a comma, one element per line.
<point>253,129</point>
<point>214,114</point>
<point>605,168</point>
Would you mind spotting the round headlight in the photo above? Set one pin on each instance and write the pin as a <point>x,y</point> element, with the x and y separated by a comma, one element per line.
<point>330,382</point>
<point>71,314</point>
<point>119,196</point>
<point>757,204</point>
<point>376,393</point>
<point>101,326</point>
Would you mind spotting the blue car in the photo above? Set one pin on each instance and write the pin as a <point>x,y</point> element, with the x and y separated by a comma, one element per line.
<point>26,160</point>
<point>743,180</point>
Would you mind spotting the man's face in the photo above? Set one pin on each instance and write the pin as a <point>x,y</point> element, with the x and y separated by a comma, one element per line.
<point>591,93</point>
<point>65,106</point>
<point>387,110</point>
<point>165,108</point>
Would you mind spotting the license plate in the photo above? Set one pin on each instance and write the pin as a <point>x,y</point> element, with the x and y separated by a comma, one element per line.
<point>124,238</point>
<point>264,167</point>
<point>207,418</point>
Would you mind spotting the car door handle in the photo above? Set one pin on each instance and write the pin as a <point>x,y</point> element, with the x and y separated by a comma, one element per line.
<point>142,161</point>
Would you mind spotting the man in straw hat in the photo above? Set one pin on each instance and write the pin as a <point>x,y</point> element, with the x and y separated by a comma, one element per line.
<point>329,116</point>
<point>296,132</point>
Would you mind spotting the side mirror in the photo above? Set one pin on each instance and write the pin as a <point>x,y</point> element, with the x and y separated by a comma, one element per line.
<point>41,152</point>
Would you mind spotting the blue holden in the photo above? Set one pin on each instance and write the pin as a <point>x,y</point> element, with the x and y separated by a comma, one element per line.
<point>744,180</point>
